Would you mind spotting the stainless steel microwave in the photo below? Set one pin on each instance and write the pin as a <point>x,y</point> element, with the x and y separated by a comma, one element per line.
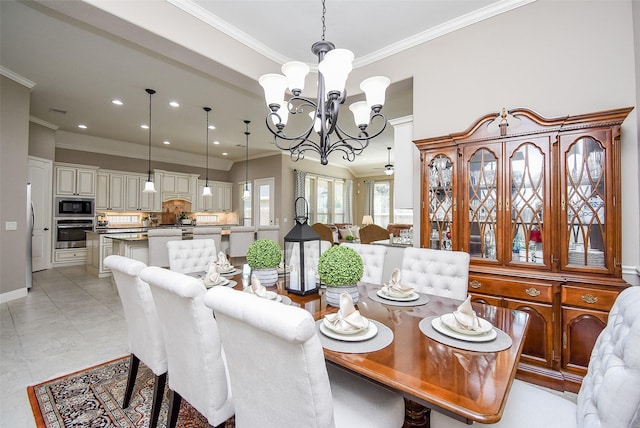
<point>75,207</point>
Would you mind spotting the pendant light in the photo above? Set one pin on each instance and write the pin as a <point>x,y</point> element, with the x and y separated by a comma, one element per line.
<point>246,194</point>
<point>388,168</point>
<point>206,191</point>
<point>148,186</point>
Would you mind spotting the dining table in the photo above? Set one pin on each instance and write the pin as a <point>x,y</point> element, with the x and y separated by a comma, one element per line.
<point>466,380</point>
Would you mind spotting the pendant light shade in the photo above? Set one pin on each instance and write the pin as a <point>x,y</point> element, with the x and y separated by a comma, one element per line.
<point>206,191</point>
<point>246,194</point>
<point>148,185</point>
<point>388,168</point>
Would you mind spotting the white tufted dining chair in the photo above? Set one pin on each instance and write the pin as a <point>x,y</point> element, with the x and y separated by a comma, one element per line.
<point>205,232</point>
<point>437,272</point>
<point>610,393</point>
<point>158,238</point>
<point>197,367</point>
<point>373,260</point>
<point>279,345</point>
<point>143,328</point>
<point>192,255</point>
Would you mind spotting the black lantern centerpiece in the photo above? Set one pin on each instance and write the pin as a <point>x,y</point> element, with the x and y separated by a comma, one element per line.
<point>299,243</point>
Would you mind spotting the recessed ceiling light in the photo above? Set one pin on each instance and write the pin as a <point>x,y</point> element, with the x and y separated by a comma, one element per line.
<point>166,142</point>
<point>117,102</point>
<point>212,127</point>
<point>144,126</point>
<point>174,104</point>
<point>82,126</point>
<point>216,142</point>
<point>224,153</point>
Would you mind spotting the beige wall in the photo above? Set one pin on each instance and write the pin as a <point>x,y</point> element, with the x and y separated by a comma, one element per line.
<point>555,57</point>
<point>14,143</point>
<point>42,141</point>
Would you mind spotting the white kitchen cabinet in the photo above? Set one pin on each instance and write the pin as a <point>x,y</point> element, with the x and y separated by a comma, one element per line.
<point>110,190</point>
<point>177,183</point>
<point>70,257</point>
<point>136,199</point>
<point>74,181</point>
<point>223,192</point>
<point>203,203</point>
<point>99,246</point>
<point>220,199</point>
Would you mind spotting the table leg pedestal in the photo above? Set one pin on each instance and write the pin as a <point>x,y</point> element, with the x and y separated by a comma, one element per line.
<point>415,415</point>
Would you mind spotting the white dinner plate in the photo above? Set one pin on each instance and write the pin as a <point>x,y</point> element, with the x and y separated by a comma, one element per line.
<point>450,321</point>
<point>436,323</point>
<point>230,271</point>
<point>358,337</point>
<point>328,324</point>
<point>410,298</point>
<point>222,281</point>
<point>271,295</point>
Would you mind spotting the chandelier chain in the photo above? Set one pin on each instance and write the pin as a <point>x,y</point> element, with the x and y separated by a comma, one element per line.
<point>324,27</point>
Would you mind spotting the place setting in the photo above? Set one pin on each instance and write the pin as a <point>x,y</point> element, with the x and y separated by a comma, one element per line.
<point>224,267</point>
<point>348,331</point>
<point>212,277</point>
<point>397,294</point>
<point>261,291</point>
<point>464,329</point>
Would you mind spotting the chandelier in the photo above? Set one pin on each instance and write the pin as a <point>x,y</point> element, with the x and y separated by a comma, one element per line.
<point>334,66</point>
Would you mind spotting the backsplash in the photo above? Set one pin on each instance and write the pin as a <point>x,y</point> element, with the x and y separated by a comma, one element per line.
<point>171,209</point>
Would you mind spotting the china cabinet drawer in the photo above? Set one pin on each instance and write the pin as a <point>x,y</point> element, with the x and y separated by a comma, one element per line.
<point>589,298</point>
<point>517,289</point>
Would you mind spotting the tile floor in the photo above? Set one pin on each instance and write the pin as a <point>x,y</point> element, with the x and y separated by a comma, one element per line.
<point>69,320</point>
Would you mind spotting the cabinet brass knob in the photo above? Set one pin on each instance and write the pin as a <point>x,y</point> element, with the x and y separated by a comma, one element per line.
<point>475,284</point>
<point>589,298</point>
<point>533,292</point>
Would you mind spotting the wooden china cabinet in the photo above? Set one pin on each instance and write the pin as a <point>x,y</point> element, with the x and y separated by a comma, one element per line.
<point>536,203</point>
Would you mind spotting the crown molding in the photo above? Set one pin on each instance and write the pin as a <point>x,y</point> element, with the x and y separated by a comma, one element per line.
<point>43,123</point>
<point>16,77</point>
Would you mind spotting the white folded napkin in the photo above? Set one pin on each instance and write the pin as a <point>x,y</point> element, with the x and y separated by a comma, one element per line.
<point>394,288</point>
<point>223,262</point>
<point>257,288</point>
<point>212,276</point>
<point>465,317</point>
<point>347,319</point>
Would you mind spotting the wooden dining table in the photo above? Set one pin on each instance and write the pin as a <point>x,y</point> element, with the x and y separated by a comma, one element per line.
<point>467,385</point>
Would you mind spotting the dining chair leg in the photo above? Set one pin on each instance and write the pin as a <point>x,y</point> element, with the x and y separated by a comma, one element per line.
<point>174,408</point>
<point>134,363</point>
<point>158,394</point>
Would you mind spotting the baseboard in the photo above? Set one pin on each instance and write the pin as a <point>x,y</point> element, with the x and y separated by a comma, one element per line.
<point>13,295</point>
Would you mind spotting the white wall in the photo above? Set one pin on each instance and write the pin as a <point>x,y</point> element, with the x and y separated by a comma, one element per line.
<point>555,57</point>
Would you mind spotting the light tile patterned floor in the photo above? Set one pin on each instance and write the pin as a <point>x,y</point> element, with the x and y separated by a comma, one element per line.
<point>69,320</point>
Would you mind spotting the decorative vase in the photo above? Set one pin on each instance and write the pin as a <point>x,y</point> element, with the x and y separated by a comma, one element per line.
<point>332,295</point>
<point>267,277</point>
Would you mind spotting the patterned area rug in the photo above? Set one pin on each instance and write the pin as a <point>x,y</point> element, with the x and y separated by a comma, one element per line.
<point>93,397</point>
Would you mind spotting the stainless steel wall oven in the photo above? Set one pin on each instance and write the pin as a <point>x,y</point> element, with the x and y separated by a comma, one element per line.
<point>71,233</point>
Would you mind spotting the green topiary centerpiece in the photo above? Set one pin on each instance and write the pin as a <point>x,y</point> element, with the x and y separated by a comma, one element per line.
<point>264,256</point>
<point>340,268</point>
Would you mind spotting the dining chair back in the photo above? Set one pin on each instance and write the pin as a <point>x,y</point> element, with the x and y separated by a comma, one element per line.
<point>158,238</point>
<point>279,375</point>
<point>206,232</point>
<point>240,237</point>
<point>268,231</point>
<point>143,329</point>
<point>609,396</point>
<point>373,232</point>
<point>439,272</point>
<point>324,232</point>
<point>191,255</point>
<point>372,259</point>
<point>197,368</point>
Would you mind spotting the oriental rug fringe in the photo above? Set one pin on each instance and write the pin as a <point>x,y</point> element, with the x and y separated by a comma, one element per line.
<point>92,398</point>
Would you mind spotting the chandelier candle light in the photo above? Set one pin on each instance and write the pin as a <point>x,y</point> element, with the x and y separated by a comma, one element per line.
<point>148,185</point>
<point>334,66</point>
<point>206,191</point>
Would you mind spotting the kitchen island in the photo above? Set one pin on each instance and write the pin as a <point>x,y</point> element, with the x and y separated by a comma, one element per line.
<point>131,245</point>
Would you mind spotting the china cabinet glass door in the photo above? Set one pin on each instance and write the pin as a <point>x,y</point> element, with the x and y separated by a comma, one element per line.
<point>483,203</point>
<point>527,203</point>
<point>441,200</point>
<point>584,203</point>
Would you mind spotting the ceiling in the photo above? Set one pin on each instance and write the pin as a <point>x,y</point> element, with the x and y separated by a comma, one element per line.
<point>79,61</point>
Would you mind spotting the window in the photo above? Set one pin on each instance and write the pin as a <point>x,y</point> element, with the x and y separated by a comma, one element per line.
<point>381,202</point>
<point>327,198</point>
